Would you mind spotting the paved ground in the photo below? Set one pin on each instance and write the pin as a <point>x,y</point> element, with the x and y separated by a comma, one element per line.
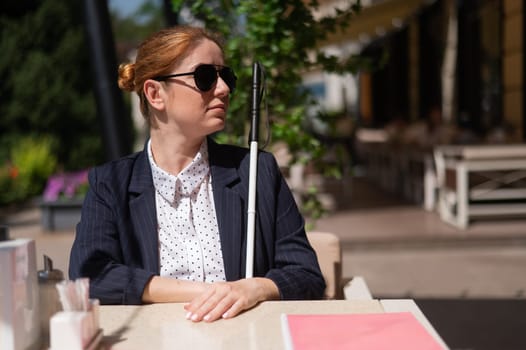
<point>403,250</point>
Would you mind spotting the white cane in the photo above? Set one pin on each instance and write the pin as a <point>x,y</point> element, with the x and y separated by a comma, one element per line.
<point>253,140</point>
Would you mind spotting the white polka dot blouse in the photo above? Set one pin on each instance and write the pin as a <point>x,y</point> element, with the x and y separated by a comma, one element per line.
<point>189,243</point>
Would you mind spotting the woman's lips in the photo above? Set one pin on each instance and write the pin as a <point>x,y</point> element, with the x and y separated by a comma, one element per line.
<point>217,106</point>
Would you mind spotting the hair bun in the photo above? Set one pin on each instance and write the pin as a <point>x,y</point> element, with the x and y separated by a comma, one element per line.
<point>127,76</point>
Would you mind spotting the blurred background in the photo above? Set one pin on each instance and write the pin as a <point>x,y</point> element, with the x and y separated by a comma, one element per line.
<point>362,97</point>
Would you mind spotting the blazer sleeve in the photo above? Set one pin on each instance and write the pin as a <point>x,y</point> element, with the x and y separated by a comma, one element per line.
<point>295,268</point>
<point>103,249</point>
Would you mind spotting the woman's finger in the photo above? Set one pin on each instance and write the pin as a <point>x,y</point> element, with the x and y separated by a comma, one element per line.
<point>198,301</point>
<point>234,309</point>
<point>220,308</point>
<point>209,301</point>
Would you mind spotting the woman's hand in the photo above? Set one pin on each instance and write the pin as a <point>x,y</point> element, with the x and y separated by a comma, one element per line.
<point>228,299</point>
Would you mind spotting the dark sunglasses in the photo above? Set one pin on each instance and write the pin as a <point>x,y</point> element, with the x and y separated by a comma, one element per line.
<point>205,76</point>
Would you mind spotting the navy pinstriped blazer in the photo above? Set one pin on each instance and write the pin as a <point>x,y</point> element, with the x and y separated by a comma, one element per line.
<point>116,243</point>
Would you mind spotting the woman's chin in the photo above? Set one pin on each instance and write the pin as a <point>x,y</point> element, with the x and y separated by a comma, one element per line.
<point>218,125</point>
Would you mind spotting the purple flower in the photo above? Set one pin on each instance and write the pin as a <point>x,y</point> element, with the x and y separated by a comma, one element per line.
<point>66,184</point>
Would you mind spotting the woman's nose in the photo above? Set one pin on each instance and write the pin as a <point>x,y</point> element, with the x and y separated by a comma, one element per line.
<point>221,86</point>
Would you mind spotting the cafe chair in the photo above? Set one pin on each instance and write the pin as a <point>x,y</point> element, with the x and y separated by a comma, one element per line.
<point>328,250</point>
<point>357,289</point>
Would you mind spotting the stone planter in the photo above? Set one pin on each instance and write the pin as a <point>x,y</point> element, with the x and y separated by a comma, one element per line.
<point>62,214</point>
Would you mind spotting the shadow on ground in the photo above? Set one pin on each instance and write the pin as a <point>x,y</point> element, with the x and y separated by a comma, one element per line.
<point>478,324</point>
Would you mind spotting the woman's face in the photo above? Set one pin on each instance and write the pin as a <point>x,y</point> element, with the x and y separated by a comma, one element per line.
<point>188,110</point>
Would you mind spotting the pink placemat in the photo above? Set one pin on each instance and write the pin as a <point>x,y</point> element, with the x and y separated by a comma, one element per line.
<point>378,331</point>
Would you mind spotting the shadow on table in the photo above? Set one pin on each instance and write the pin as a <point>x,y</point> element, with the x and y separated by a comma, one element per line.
<point>116,337</point>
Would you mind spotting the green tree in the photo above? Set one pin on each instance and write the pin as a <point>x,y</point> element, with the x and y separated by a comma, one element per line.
<point>46,91</point>
<point>284,37</point>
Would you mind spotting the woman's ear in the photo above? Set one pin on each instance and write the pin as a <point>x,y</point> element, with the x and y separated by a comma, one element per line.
<point>153,92</point>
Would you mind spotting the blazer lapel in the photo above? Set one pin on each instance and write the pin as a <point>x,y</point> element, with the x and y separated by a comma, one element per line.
<point>229,202</point>
<point>143,211</point>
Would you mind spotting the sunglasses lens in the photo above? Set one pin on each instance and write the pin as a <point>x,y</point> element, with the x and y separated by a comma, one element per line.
<point>205,76</point>
<point>228,76</point>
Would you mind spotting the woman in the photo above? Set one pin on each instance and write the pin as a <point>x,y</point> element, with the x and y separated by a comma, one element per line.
<point>168,224</point>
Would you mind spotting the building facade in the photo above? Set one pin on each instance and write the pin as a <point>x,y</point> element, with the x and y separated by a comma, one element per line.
<point>462,58</point>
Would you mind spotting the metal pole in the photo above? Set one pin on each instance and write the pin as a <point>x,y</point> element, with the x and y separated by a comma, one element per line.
<point>116,124</point>
<point>170,16</point>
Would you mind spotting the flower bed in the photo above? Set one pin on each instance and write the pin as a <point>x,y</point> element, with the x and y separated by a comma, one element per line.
<point>62,200</point>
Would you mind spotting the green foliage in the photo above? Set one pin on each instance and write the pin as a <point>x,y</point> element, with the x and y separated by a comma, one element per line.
<point>280,35</point>
<point>46,102</point>
<point>46,82</point>
<point>30,163</point>
<point>284,37</point>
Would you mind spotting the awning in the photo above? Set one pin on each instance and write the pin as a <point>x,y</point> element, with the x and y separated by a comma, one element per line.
<point>378,20</point>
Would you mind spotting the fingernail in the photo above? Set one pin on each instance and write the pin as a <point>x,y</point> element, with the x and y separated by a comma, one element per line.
<point>188,315</point>
<point>225,315</point>
<point>194,317</point>
<point>206,318</point>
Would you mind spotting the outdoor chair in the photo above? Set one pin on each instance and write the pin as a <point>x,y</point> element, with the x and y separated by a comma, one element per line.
<point>328,250</point>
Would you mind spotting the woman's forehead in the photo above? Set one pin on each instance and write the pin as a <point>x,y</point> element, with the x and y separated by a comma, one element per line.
<point>204,52</point>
